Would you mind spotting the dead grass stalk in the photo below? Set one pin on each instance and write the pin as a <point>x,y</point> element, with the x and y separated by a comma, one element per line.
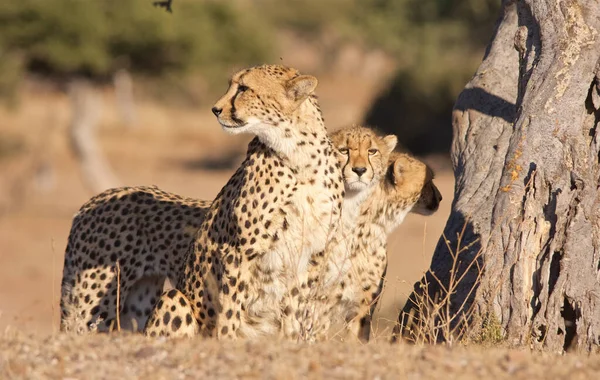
<point>437,318</point>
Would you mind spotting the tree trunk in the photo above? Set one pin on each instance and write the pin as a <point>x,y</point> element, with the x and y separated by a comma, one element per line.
<point>123,83</point>
<point>86,104</point>
<point>525,214</point>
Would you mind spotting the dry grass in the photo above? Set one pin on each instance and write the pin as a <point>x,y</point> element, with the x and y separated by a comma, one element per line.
<point>118,311</point>
<point>129,356</point>
<point>434,317</point>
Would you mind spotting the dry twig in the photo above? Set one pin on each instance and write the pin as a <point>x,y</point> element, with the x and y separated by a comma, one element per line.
<point>118,312</point>
<point>164,4</point>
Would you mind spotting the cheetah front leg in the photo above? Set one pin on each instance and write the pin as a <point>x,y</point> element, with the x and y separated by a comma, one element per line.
<point>305,312</point>
<point>172,317</point>
<point>360,326</point>
<point>140,301</point>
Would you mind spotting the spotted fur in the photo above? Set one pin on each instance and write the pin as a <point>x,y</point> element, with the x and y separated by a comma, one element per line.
<point>281,206</point>
<point>406,187</point>
<point>363,156</point>
<point>142,228</point>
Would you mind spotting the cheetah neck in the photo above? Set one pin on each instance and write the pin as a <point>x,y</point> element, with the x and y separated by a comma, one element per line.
<point>300,139</point>
<point>384,211</point>
<point>352,205</point>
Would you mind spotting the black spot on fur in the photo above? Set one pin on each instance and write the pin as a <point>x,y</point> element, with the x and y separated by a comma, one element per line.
<point>176,323</point>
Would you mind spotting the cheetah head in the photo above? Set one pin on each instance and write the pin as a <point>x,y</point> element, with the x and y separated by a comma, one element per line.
<point>261,98</point>
<point>363,156</point>
<point>412,183</point>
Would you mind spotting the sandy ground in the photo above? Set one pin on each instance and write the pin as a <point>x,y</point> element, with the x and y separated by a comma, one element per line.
<point>135,357</point>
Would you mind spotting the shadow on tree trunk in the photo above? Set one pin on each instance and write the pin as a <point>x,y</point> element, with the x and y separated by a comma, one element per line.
<point>442,300</point>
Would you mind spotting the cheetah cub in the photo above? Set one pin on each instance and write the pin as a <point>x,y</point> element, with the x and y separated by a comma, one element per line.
<point>281,206</point>
<point>363,156</point>
<point>144,229</point>
<point>407,187</point>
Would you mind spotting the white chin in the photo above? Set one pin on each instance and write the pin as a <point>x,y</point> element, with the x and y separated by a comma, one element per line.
<point>236,130</point>
<point>356,186</point>
<point>249,127</point>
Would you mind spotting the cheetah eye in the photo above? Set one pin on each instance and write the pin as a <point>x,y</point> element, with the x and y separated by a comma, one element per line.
<point>373,151</point>
<point>344,150</point>
<point>242,88</point>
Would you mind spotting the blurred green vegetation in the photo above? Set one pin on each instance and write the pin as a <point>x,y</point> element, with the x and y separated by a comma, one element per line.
<point>397,26</point>
<point>437,44</point>
<point>63,38</point>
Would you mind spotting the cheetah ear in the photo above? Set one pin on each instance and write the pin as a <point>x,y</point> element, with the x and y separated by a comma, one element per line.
<point>301,87</point>
<point>390,141</point>
<point>399,173</point>
<point>395,173</point>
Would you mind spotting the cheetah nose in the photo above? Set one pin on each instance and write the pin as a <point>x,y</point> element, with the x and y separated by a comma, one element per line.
<point>217,111</point>
<point>360,171</point>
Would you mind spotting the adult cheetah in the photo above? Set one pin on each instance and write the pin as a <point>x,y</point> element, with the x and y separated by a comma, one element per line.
<point>280,207</point>
<point>407,188</point>
<point>144,229</point>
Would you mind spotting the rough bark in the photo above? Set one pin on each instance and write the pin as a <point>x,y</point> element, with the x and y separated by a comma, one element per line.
<point>525,154</point>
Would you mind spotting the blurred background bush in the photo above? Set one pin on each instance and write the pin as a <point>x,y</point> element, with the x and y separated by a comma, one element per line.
<point>434,45</point>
